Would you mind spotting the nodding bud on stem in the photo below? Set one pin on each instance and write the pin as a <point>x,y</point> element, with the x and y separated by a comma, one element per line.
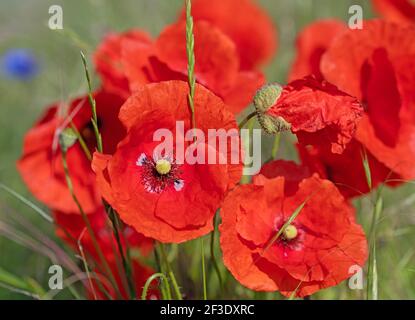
<point>267,96</point>
<point>264,99</point>
<point>67,139</point>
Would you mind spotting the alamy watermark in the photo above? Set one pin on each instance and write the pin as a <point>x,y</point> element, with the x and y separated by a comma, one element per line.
<point>216,146</point>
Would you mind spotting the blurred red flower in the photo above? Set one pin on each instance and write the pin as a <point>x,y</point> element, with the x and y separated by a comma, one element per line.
<point>371,64</point>
<point>162,198</point>
<point>249,27</point>
<point>314,252</point>
<point>318,113</point>
<point>107,59</point>
<point>374,64</point>
<point>311,44</point>
<point>41,162</point>
<point>130,60</point>
<point>400,11</point>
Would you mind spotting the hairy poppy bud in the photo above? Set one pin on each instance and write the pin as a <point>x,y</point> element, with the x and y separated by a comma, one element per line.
<point>266,97</point>
<point>272,125</point>
<point>67,139</point>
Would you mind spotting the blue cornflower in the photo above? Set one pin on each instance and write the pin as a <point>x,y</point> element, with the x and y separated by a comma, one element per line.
<point>20,64</point>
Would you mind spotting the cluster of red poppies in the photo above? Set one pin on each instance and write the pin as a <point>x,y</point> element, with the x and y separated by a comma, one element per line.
<point>293,228</point>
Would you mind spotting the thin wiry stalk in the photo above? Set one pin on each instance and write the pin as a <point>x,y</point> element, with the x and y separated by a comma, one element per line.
<point>60,254</point>
<point>372,278</point>
<point>110,212</point>
<point>170,272</point>
<point>87,223</point>
<point>202,248</point>
<point>212,252</point>
<point>81,142</point>
<point>163,279</point>
<point>246,119</point>
<point>125,258</point>
<point>81,250</point>
<point>27,202</point>
<point>275,146</point>
<point>165,290</point>
<point>92,102</point>
<point>190,46</point>
<point>20,291</point>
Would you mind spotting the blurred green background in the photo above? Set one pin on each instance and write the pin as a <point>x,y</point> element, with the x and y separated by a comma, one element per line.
<point>23,24</point>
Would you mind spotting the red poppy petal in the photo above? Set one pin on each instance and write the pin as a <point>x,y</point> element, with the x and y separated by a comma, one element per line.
<point>319,113</point>
<point>217,61</point>
<point>401,11</point>
<point>240,19</point>
<point>107,59</point>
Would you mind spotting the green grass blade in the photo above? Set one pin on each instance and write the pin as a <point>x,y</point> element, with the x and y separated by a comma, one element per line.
<point>27,202</point>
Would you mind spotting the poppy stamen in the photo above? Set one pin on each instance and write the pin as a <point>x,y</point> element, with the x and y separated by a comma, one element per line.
<point>157,175</point>
<point>290,232</point>
<point>163,166</point>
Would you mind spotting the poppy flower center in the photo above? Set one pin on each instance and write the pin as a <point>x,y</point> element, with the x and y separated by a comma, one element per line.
<point>290,232</point>
<point>159,175</point>
<point>163,166</point>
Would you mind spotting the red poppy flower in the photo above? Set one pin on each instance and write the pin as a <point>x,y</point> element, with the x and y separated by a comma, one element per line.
<point>401,11</point>
<point>165,198</point>
<point>376,65</point>
<point>318,113</point>
<point>249,27</point>
<point>314,252</point>
<point>217,63</point>
<point>107,59</point>
<point>311,43</point>
<point>41,163</point>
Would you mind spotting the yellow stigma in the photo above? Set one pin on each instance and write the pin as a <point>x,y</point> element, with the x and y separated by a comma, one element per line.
<point>163,166</point>
<point>290,232</point>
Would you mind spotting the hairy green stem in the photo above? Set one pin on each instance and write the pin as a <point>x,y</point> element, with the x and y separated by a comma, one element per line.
<point>202,249</point>
<point>170,272</point>
<point>212,252</point>
<point>88,224</point>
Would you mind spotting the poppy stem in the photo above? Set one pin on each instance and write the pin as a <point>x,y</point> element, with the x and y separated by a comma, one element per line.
<point>125,257</point>
<point>190,46</point>
<point>92,102</point>
<point>113,216</point>
<point>170,271</point>
<point>163,279</point>
<point>87,223</point>
<point>203,269</point>
<point>212,252</point>
<point>246,119</point>
<point>275,146</point>
<point>372,279</point>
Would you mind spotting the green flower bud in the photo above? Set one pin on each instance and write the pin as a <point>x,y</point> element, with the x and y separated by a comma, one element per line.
<point>67,139</point>
<point>272,125</point>
<point>266,97</point>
